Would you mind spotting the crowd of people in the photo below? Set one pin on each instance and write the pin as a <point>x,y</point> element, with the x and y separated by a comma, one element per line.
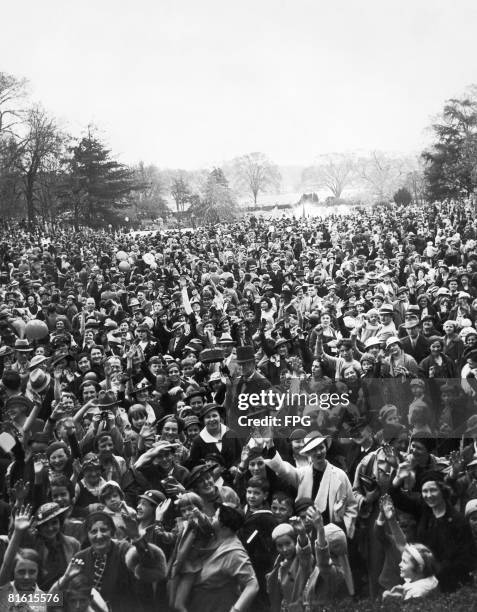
<point>137,472</point>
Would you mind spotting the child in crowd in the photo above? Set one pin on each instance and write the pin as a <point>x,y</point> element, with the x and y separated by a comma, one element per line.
<point>293,566</point>
<point>282,506</point>
<point>112,496</point>
<point>256,495</point>
<point>417,570</point>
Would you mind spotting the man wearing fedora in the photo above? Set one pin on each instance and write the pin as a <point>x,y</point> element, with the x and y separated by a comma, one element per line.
<point>227,344</point>
<point>414,343</point>
<point>23,352</point>
<point>249,382</point>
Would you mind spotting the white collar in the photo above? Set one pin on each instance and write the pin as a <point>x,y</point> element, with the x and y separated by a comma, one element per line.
<point>209,438</point>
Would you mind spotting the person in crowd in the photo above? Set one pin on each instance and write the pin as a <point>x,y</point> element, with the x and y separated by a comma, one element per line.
<point>226,580</point>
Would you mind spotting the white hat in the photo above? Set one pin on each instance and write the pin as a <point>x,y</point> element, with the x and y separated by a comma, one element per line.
<point>372,342</point>
<point>470,507</point>
<point>314,439</point>
<point>393,340</point>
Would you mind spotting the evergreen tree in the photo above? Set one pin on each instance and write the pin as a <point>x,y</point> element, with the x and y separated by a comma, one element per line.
<point>452,161</point>
<point>402,196</point>
<point>96,188</point>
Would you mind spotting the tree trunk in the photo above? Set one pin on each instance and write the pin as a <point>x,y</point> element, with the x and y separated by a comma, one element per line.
<point>29,202</point>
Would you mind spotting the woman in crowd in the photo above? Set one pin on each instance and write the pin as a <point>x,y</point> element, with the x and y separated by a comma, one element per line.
<point>114,568</point>
<point>442,529</point>
<point>227,571</point>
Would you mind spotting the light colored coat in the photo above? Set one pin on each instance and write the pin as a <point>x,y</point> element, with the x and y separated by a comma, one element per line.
<point>335,490</point>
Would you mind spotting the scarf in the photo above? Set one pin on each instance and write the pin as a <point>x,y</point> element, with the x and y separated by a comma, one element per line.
<point>98,569</point>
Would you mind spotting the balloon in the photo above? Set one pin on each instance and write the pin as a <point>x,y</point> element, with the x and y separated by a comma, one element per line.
<point>124,266</point>
<point>19,326</point>
<point>148,258</point>
<point>36,330</point>
<point>121,255</point>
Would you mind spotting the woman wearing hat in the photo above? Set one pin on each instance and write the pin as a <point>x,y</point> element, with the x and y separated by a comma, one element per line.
<point>121,573</point>
<point>437,365</point>
<point>54,548</point>
<point>89,486</point>
<point>226,581</point>
<point>462,309</point>
<point>325,483</point>
<point>151,507</point>
<point>441,528</point>
<point>398,363</point>
<point>215,437</point>
<point>453,344</point>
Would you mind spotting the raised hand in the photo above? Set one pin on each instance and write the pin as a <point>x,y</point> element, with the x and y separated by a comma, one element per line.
<point>20,491</point>
<point>58,412</point>
<point>69,425</point>
<point>390,455</point>
<point>75,567</point>
<point>387,507</point>
<point>77,467</point>
<point>23,518</point>
<point>147,431</point>
<point>40,463</point>
<point>161,509</point>
<point>403,470</point>
<point>244,455</point>
<point>129,522</point>
<point>298,525</point>
<point>315,517</point>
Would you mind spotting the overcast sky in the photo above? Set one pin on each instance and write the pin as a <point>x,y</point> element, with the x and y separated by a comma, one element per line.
<point>194,82</point>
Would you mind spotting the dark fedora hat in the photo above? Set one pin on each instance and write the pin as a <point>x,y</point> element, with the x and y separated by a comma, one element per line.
<point>106,399</point>
<point>197,472</point>
<point>245,354</point>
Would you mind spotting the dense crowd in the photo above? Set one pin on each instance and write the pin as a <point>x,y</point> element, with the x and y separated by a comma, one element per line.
<point>140,471</point>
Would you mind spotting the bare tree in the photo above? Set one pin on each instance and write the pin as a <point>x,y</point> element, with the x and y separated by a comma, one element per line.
<point>383,173</point>
<point>149,198</point>
<point>333,171</point>
<point>37,153</point>
<point>255,173</point>
<point>180,191</point>
<point>11,92</point>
